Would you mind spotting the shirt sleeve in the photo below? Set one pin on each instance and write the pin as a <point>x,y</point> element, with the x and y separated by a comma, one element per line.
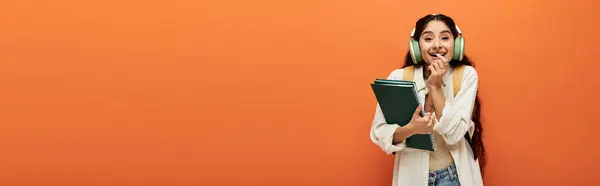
<point>382,133</point>
<point>456,115</point>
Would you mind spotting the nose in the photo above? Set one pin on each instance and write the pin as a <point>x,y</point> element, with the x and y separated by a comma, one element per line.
<point>437,44</point>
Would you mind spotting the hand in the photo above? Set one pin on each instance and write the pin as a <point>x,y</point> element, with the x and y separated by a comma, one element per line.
<point>438,69</point>
<point>421,125</point>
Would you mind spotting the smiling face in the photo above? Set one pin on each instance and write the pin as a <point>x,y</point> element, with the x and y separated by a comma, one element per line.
<point>436,38</point>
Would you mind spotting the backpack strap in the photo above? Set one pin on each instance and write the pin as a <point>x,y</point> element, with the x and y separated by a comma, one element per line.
<point>457,76</point>
<point>408,73</point>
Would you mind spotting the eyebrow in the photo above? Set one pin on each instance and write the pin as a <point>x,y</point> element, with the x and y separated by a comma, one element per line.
<point>430,32</point>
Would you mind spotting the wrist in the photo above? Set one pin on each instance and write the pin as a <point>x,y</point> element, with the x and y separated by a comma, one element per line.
<point>434,87</point>
<point>408,128</point>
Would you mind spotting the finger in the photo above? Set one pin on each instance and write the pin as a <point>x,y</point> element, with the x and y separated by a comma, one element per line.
<point>444,67</point>
<point>430,127</point>
<point>442,57</point>
<point>442,64</point>
<point>432,69</point>
<point>437,66</point>
<point>418,110</point>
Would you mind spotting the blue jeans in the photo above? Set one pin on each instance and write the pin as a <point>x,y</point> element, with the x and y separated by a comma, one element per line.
<point>444,177</point>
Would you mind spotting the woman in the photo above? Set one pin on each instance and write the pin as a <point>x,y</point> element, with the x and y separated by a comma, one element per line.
<point>436,51</point>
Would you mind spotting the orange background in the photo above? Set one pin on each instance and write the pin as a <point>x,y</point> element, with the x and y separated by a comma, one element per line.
<point>233,92</point>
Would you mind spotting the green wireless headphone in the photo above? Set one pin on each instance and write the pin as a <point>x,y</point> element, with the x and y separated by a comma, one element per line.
<point>459,47</point>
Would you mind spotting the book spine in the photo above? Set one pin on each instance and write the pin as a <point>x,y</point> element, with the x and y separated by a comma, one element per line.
<point>422,113</point>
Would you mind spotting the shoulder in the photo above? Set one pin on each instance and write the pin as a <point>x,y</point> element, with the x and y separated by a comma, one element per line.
<point>469,73</point>
<point>396,74</point>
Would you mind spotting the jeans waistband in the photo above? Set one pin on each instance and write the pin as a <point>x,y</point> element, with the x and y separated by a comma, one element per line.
<point>449,170</point>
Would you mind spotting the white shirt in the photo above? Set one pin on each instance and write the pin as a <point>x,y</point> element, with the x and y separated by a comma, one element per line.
<point>411,166</point>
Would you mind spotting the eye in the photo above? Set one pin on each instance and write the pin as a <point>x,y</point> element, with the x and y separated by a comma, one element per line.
<point>445,38</point>
<point>428,39</point>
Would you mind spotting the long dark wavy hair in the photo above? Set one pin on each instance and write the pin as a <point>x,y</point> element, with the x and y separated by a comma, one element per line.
<point>476,117</point>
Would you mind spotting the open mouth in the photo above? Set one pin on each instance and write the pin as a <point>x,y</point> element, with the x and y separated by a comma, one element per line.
<point>434,54</point>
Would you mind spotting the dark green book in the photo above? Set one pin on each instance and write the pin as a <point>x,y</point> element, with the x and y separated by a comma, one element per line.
<point>398,100</point>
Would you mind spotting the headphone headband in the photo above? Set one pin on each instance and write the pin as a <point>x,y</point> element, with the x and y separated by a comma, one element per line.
<point>458,29</point>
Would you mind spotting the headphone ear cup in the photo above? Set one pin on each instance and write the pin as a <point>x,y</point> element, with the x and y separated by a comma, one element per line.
<point>459,48</point>
<point>415,51</point>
